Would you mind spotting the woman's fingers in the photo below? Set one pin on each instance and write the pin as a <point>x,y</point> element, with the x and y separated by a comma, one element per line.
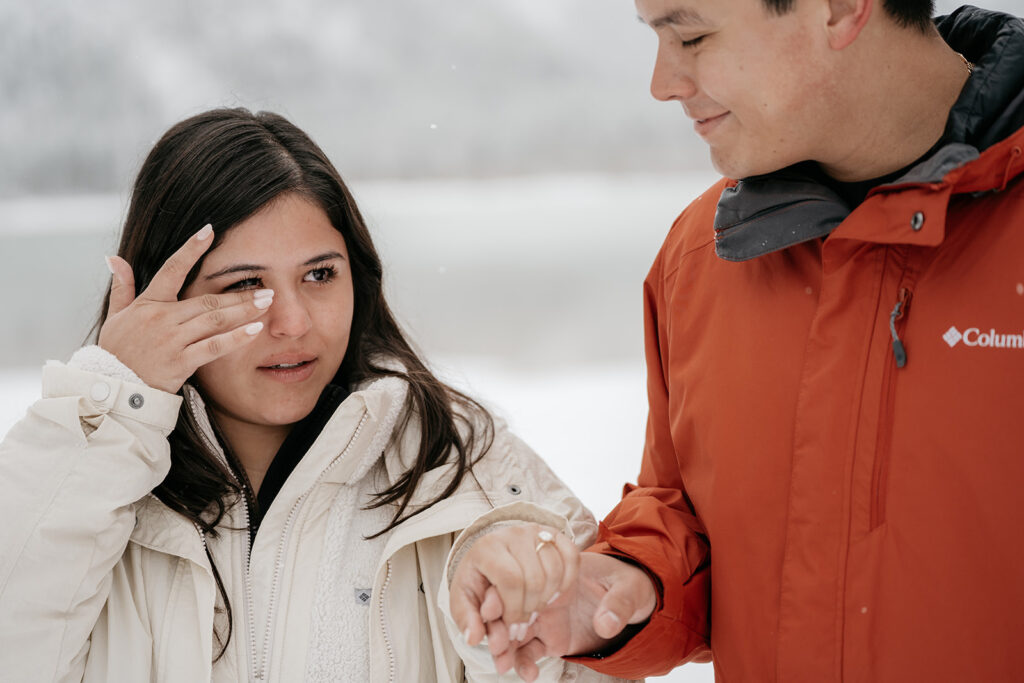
<point>204,351</point>
<point>206,304</point>
<point>501,647</point>
<point>122,285</point>
<point>491,608</point>
<point>210,314</point>
<point>570,556</point>
<point>555,581</point>
<point>165,340</point>
<point>544,555</point>
<point>525,564</point>
<point>169,279</point>
<point>498,640</point>
<point>526,658</point>
<point>512,574</point>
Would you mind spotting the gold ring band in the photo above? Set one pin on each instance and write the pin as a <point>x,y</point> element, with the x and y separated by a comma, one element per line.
<point>543,538</point>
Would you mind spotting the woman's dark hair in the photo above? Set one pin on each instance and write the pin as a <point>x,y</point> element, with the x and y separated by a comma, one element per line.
<point>221,167</point>
<point>907,13</point>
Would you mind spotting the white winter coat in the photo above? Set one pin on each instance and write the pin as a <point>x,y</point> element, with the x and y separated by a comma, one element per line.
<point>99,581</point>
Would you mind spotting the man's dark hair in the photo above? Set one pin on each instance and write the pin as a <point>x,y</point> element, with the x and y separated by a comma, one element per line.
<point>907,13</point>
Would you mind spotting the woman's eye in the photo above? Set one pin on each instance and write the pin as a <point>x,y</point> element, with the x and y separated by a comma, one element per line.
<point>324,274</point>
<point>693,42</point>
<point>247,283</point>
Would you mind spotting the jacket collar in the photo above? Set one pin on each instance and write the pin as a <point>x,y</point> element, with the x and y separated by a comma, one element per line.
<point>353,440</point>
<point>767,213</point>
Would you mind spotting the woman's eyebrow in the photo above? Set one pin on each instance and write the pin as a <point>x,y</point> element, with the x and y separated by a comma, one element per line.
<point>253,268</point>
<point>237,268</point>
<point>326,256</point>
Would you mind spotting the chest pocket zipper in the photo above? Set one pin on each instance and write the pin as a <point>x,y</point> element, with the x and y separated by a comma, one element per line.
<point>883,446</point>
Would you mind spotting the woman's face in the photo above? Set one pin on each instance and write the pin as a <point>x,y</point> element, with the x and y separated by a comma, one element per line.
<point>291,247</point>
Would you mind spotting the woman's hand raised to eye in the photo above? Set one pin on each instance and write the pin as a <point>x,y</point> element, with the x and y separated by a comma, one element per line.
<point>164,340</point>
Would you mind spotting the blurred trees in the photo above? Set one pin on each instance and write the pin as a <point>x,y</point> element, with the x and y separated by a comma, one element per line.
<point>390,89</point>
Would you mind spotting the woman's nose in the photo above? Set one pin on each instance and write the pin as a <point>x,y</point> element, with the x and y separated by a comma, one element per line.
<point>288,316</point>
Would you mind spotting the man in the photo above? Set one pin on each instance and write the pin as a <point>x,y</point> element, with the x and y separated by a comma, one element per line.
<point>835,352</point>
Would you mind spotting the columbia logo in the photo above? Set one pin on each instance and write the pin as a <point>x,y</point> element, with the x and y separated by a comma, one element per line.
<point>974,336</point>
<point>952,336</point>
<point>362,596</point>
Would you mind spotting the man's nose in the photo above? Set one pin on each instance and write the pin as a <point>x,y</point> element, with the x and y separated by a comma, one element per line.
<point>672,78</point>
<point>288,316</point>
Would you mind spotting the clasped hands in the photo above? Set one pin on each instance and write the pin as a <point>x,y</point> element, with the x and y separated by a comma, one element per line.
<point>533,594</point>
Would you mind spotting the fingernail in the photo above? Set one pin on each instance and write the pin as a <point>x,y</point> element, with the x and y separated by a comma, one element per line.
<point>205,232</point>
<point>260,293</point>
<point>263,301</point>
<point>253,328</point>
<point>611,619</point>
<point>109,260</point>
<point>533,620</point>
<point>465,636</point>
<point>513,632</point>
<point>554,597</point>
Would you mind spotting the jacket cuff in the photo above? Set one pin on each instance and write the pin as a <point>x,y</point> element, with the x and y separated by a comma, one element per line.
<point>97,359</point>
<point>634,659</point>
<point>678,630</point>
<point>498,517</point>
<point>99,394</point>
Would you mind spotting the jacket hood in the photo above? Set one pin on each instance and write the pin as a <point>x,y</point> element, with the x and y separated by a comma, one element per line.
<point>767,213</point>
<point>991,106</point>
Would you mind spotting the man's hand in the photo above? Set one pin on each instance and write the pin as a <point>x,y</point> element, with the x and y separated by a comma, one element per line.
<point>586,617</point>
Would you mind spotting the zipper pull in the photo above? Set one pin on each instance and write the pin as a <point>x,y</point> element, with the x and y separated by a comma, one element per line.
<point>898,350</point>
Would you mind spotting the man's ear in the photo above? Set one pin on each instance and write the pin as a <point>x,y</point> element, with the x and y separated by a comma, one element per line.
<point>846,20</point>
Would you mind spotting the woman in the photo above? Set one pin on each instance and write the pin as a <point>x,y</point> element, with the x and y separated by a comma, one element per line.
<point>252,476</point>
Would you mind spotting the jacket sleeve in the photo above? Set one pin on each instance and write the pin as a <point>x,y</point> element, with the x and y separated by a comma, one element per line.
<point>654,526</point>
<point>70,471</point>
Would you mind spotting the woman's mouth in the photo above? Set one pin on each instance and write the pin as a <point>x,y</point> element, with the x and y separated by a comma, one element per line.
<point>295,371</point>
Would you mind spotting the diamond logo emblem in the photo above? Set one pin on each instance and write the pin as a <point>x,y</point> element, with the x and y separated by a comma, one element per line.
<point>952,336</point>
<point>362,596</point>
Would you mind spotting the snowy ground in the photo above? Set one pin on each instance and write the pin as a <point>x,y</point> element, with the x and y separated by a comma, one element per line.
<point>587,422</point>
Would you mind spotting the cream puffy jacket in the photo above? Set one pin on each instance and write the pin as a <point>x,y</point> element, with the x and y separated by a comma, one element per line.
<point>99,581</point>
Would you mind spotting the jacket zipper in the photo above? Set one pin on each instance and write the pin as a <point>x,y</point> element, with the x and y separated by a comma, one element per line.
<point>249,606</point>
<point>880,472</point>
<point>384,624</point>
<point>899,352</point>
<point>282,548</point>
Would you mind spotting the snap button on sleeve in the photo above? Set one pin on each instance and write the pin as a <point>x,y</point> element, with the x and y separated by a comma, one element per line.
<point>99,391</point>
<point>514,490</point>
<point>916,221</point>
<point>136,401</point>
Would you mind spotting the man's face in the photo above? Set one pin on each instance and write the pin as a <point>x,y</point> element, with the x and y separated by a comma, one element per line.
<point>758,86</point>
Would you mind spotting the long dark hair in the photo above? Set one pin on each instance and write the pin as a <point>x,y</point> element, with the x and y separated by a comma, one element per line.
<point>221,167</point>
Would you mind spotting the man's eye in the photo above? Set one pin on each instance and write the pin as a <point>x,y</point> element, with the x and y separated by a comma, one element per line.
<point>693,42</point>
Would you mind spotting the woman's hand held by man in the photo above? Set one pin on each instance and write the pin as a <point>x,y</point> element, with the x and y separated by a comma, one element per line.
<point>164,340</point>
<point>500,578</point>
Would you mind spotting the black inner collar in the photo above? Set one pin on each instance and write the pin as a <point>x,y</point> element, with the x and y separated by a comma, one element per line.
<point>295,446</point>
